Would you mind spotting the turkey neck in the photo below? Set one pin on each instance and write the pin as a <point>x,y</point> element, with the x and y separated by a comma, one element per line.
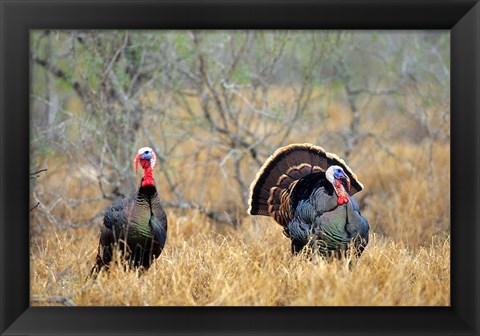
<point>341,193</point>
<point>148,177</point>
<point>146,200</point>
<point>147,186</point>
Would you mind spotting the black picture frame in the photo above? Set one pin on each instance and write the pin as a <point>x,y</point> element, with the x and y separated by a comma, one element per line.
<point>461,18</point>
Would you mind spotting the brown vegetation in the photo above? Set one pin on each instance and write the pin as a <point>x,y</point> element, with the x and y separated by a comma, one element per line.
<point>207,263</point>
<point>214,107</point>
<point>247,265</point>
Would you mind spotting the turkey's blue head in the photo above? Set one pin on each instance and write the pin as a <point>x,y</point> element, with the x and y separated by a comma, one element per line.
<point>147,158</point>
<point>336,176</point>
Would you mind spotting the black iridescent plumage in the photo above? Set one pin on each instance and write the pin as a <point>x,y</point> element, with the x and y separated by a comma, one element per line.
<point>292,188</point>
<point>137,225</point>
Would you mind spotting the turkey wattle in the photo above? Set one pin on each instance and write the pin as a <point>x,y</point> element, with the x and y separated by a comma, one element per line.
<point>137,225</point>
<point>308,192</point>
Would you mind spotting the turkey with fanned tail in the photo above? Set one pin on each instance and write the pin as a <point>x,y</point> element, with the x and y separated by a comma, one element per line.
<point>137,225</point>
<point>308,191</point>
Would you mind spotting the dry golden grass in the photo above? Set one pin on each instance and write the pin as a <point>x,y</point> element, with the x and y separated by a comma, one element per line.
<point>410,204</point>
<point>247,265</point>
<point>407,261</point>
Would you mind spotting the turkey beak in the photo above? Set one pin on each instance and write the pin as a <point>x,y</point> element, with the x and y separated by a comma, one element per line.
<point>137,158</point>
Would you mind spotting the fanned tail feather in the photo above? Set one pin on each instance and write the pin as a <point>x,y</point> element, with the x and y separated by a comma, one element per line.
<point>270,191</point>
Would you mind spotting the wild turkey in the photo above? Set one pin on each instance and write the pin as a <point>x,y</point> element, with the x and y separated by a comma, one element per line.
<point>308,192</point>
<point>137,224</point>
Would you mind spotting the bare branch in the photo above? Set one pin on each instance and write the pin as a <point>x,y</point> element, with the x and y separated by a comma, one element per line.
<point>36,205</point>
<point>35,174</point>
<point>374,92</point>
<point>60,74</point>
<point>64,300</point>
<point>384,147</point>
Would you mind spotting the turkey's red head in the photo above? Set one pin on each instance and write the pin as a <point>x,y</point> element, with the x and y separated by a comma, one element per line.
<point>147,158</point>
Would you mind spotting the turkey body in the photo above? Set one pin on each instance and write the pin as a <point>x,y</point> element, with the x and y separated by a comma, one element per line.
<point>320,222</point>
<point>292,187</point>
<point>138,226</point>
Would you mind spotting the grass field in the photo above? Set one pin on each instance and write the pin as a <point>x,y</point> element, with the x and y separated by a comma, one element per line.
<point>407,261</point>
<point>249,265</point>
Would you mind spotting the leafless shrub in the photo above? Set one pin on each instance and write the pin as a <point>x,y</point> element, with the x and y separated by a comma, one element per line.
<point>219,103</point>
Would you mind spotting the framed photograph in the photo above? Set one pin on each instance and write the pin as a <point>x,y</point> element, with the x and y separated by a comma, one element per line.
<point>316,162</point>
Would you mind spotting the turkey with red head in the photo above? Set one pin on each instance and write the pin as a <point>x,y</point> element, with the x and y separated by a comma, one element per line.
<point>137,225</point>
<point>308,191</point>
